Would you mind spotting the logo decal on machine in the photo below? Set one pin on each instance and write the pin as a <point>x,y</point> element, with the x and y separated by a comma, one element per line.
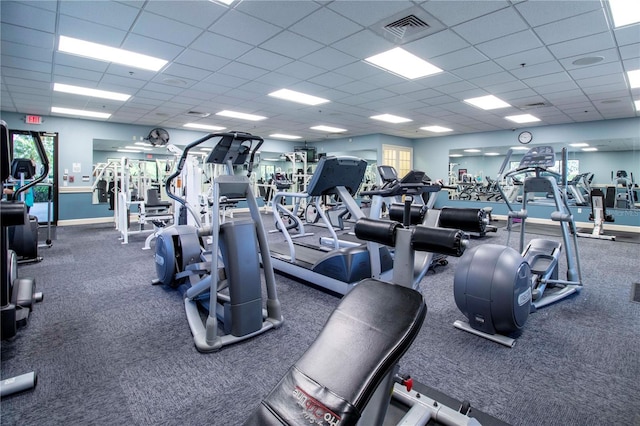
<point>313,410</point>
<point>524,297</point>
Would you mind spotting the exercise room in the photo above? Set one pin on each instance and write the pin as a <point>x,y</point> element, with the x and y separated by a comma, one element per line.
<point>301,212</point>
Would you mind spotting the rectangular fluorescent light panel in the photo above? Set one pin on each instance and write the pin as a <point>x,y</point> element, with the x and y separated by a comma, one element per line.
<point>390,118</point>
<point>240,115</point>
<point>472,150</point>
<point>634,78</point>
<point>522,118</point>
<point>109,54</point>
<point>328,129</point>
<point>141,148</point>
<point>227,2</point>
<point>455,155</point>
<point>133,151</point>
<point>84,91</point>
<point>624,12</point>
<point>203,126</point>
<point>283,136</point>
<point>403,63</point>
<point>487,102</point>
<point>519,148</point>
<point>302,98</point>
<point>491,154</point>
<point>637,103</point>
<point>142,144</point>
<point>80,112</point>
<point>590,149</point>
<point>579,144</point>
<point>436,129</point>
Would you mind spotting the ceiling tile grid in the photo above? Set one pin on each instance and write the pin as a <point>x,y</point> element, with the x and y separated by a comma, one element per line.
<point>232,57</point>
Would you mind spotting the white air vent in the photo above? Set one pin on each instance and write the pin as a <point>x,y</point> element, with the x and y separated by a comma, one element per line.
<point>410,23</point>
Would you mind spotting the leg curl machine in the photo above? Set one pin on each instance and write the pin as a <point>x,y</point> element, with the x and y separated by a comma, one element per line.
<point>349,375</point>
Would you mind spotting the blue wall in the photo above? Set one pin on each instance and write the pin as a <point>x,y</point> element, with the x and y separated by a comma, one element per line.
<point>430,154</point>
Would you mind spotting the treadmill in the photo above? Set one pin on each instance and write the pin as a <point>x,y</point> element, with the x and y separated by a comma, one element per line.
<point>337,269</point>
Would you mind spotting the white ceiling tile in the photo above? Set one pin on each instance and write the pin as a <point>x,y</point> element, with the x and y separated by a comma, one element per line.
<point>573,28</point>
<point>496,89</point>
<point>83,74</point>
<point>234,22</point>
<point>26,64</point>
<point>529,57</point>
<point>218,45</point>
<point>196,59</point>
<point>228,80</point>
<point>558,77</point>
<point>165,29</point>
<point>331,79</point>
<point>108,13</point>
<point>493,80</point>
<point>200,14</point>
<point>459,58</point>
<point>119,80</point>
<point>356,87</point>
<point>291,44</point>
<point>437,44</point>
<point>27,16</point>
<point>627,35</point>
<point>482,69</point>
<point>582,45</point>
<point>631,64</point>
<point>455,12</point>
<point>554,10</point>
<point>300,70</point>
<point>363,44</point>
<point>630,51</point>
<point>183,71</point>
<point>594,85</point>
<point>328,58</point>
<point>90,31</point>
<point>281,13</point>
<point>494,25</point>
<point>537,70</point>
<point>545,89</point>
<point>509,44</point>
<point>610,68</point>
<point>28,52</point>
<point>368,12</point>
<point>29,37</point>
<point>325,26</point>
<point>243,71</point>
<point>264,59</point>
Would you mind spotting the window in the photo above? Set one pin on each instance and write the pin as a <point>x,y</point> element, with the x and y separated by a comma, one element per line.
<point>399,157</point>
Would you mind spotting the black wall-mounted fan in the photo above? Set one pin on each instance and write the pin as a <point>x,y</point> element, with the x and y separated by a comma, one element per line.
<point>158,137</point>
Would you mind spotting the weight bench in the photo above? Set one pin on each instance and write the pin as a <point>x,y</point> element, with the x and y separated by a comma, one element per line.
<point>353,356</point>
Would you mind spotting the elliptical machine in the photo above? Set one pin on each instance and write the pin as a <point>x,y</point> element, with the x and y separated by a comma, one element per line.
<point>229,287</point>
<point>497,287</point>
<point>18,294</point>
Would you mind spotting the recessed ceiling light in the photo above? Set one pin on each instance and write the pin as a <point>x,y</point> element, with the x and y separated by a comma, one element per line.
<point>329,129</point>
<point>133,151</point>
<point>206,149</point>
<point>80,112</point>
<point>141,148</point>
<point>240,115</point>
<point>226,2</point>
<point>624,12</point>
<point>455,155</point>
<point>522,118</point>
<point>579,144</point>
<point>634,78</point>
<point>588,60</point>
<point>637,103</point>
<point>472,150</point>
<point>487,102</point>
<point>390,118</point>
<point>284,136</point>
<point>590,149</point>
<point>519,148</point>
<point>84,91</point>
<point>403,63</point>
<point>436,129</point>
<point>302,98</point>
<point>142,144</point>
<point>203,126</point>
<point>491,154</point>
<point>109,54</point>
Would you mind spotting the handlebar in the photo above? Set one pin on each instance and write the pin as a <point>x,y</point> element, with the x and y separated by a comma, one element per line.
<point>45,165</point>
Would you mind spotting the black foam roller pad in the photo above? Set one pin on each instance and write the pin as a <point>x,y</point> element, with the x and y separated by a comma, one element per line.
<point>449,242</point>
<point>396,212</point>
<point>378,231</point>
<point>469,220</point>
<point>13,213</point>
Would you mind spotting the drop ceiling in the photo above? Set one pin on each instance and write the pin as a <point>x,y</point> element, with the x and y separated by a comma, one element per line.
<point>231,57</point>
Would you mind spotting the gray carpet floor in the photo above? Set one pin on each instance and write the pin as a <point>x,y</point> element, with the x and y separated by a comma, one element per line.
<point>110,348</point>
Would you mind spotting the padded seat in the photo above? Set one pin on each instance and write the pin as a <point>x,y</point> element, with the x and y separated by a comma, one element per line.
<point>363,339</point>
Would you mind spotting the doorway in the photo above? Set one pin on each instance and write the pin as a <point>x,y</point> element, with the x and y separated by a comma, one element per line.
<point>45,206</point>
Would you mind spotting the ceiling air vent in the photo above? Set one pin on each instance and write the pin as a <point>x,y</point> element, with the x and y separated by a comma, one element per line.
<point>534,105</point>
<point>409,23</point>
<point>199,114</point>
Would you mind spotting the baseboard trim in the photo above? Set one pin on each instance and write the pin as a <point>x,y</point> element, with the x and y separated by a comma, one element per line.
<point>87,221</point>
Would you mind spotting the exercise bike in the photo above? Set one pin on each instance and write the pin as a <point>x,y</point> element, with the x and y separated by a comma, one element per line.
<point>349,375</point>
<point>495,286</point>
